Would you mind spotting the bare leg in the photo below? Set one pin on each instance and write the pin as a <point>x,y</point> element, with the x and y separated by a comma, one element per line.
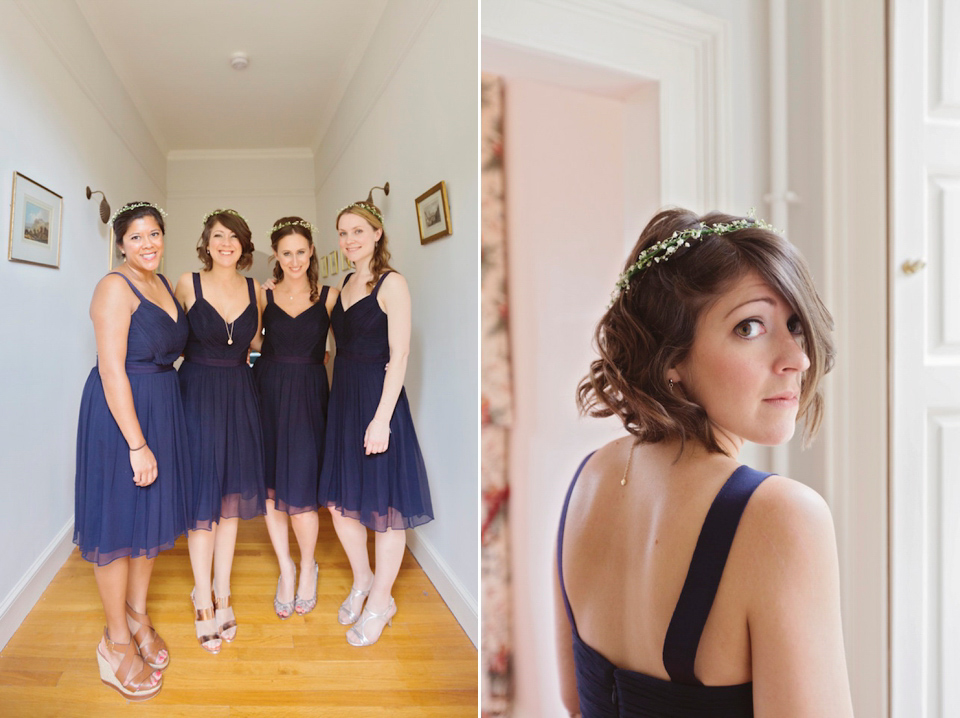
<point>388,547</point>
<point>200,544</point>
<point>112,581</point>
<point>223,550</point>
<point>280,538</point>
<point>353,538</point>
<point>306,526</point>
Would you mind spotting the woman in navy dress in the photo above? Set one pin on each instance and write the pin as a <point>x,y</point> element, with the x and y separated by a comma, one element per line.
<point>292,382</point>
<point>687,583</point>
<point>223,417</point>
<point>373,473</point>
<point>132,463</point>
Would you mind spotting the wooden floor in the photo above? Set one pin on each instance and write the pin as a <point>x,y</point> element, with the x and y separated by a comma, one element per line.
<point>424,665</point>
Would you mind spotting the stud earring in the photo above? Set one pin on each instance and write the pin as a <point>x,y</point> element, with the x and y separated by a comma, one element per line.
<point>670,384</point>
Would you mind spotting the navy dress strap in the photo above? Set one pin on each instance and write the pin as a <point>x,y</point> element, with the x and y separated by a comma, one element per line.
<point>251,290</point>
<point>563,521</point>
<point>323,295</point>
<point>197,287</point>
<point>135,290</point>
<point>379,282</point>
<point>703,576</point>
<point>269,296</point>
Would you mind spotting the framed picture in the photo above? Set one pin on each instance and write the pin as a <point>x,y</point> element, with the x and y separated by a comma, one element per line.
<point>345,263</point>
<point>332,261</point>
<point>324,270</point>
<point>433,213</point>
<point>115,259</point>
<point>35,214</point>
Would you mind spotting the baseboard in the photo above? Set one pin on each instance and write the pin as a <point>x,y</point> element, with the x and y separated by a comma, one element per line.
<point>461,604</point>
<point>25,594</point>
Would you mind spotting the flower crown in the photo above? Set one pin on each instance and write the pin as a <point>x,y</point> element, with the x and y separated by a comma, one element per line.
<point>664,249</point>
<point>363,205</point>
<point>135,205</point>
<point>234,212</point>
<point>298,223</point>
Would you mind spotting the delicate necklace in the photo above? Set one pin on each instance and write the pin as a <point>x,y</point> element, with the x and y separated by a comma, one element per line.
<point>626,470</point>
<point>229,330</point>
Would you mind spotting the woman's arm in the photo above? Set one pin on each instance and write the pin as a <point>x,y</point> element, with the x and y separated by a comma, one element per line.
<point>394,297</point>
<point>184,292</point>
<point>796,640</point>
<point>111,309</point>
<point>256,344</point>
<point>568,678</point>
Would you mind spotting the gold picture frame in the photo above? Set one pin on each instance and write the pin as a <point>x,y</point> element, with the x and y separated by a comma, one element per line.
<point>433,213</point>
<point>345,263</point>
<point>324,269</point>
<point>332,261</point>
<point>36,214</point>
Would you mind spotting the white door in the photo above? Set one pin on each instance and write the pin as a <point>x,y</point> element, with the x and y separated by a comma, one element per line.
<point>925,341</point>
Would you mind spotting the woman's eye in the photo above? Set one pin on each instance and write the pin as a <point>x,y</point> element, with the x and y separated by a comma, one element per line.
<point>794,325</point>
<point>749,329</point>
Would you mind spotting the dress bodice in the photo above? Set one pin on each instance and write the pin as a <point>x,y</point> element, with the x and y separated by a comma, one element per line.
<point>361,330</point>
<point>210,335</point>
<point>303,336</point>
<point>154,338</point>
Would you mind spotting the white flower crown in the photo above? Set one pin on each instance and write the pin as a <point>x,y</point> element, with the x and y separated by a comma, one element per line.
<point>363,205</point>
<point>298,223</point>
<point>135,205</point>
<point>234,212</point>
<point>664,249</point>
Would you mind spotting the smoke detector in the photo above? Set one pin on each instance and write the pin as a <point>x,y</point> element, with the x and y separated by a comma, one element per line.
<point>239,61</point>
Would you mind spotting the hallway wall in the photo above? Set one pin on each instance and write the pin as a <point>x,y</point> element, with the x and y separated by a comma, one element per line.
<point>61,132</point>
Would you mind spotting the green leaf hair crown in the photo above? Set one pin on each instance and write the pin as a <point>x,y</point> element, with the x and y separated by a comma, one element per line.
<point>234,212</point>
<point>363,205</point>
<point>664,249</point>
<point>135,205</point>
<point>298,223</point>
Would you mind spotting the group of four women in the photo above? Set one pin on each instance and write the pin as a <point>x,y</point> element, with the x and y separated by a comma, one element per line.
<point>163,452</point>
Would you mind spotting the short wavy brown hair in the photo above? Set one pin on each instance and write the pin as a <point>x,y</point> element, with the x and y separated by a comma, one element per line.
<point>236,224</point>
<point>651,326</point>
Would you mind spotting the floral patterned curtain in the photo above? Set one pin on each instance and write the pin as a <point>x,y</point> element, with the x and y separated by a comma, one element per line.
<point>495,408</point>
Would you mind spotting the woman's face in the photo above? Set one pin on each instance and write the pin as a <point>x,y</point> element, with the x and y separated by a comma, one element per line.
<point>224,246</point>
<point>746,365</point>
<point>143,244</point>
<point>293,253</point>
<point>358,238</point>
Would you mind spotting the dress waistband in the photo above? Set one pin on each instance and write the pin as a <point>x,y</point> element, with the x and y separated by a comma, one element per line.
<point>146,367</point>
<point>353,356</point>
<point>211,361</point>
<point>289,360</point>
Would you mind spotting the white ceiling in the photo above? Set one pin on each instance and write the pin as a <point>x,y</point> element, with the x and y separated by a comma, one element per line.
<point>173,58</point>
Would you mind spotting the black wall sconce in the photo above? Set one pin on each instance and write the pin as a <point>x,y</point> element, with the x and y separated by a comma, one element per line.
<point>104,205</point>
<point>385,188</point>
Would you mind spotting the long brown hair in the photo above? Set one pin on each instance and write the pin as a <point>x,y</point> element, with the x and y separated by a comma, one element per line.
<point>650,327</point>
<point>380,262</point>
<point>296,225</point>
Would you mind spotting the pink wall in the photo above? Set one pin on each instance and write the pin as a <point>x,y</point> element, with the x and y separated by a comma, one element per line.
<point>566,194</point>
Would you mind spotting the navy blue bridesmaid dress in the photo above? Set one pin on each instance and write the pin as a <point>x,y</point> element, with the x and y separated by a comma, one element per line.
<point>382,491</point>
<point>292,382</point>
<point>115,517</point>
<point>222,413</point>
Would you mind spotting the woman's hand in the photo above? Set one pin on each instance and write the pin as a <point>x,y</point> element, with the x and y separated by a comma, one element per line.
<point>144,465</point>
<point>376,438</point>
<point>269,285</point>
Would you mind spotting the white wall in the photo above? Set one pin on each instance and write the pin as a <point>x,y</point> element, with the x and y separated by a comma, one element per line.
<point>54,131</point>
<point>410,118</point>
<point>262,185</point>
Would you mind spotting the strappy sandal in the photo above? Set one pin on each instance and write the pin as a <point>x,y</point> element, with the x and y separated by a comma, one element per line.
<point>346,615</point>
<point>303,606</point>
<point>205,614</point>
<point>356,635</point>
<point>284,610</point>
<point>148,641</point>
<point>135,685</point>
<point>222,604</point>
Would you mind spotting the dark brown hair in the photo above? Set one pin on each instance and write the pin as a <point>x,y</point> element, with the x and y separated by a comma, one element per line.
<point>236,224</point>
<point>124,219</point>
<point>296,225</point>
<point>380,262</point>
<point>650,327</point>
